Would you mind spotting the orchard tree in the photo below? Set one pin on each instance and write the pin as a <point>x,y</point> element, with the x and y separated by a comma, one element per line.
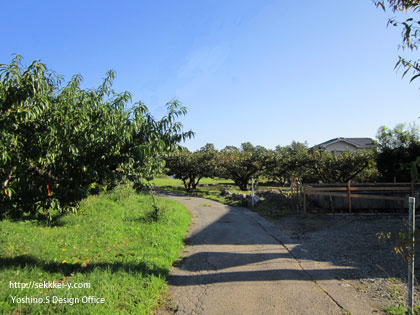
<point>152,140</point>
<point>291,164</point>
<point>211,167</point>
<point>57,141</point>
<point>191,167</point>
<point>297,162</point>
<point>410,25</point>
<point>279,172</point>
<point>332,167</point>
<point>242,164</point>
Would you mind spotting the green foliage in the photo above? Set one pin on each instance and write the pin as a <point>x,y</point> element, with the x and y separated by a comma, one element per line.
<point>290,164</point>
<point>332,167</point>
<point>57,141</point>
<point>242,164</point>
<point>297,162</point>
<point>191,167</point>
<point>409,22</point>
<point>398,150</point>
<point>110,244</point>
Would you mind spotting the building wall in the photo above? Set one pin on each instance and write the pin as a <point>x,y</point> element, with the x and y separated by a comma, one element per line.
<point>340,147</point>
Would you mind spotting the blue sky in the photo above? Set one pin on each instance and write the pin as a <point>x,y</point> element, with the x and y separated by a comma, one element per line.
<point>264,71</point>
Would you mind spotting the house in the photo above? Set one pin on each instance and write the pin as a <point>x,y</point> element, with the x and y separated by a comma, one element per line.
<point>346,144</point>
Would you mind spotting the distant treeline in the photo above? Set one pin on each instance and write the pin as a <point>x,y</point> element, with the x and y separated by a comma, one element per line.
<point>397,152</point>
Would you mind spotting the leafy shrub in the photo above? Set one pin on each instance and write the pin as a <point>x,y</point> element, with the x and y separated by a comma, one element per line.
<point>398,149</point>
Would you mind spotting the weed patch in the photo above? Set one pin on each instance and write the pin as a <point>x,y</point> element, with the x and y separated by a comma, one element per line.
<point>401,310</point>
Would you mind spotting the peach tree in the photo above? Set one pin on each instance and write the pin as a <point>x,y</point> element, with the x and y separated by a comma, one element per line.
<point>57,141</point>
<point>191,167</point>
<point>242,164</point>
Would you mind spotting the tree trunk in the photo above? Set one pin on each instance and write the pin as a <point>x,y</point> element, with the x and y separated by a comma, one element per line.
<point>187,185</point>
<point>195,183</point>
<point>243,185</point>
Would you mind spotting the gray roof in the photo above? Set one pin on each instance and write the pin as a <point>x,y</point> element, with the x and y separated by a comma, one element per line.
<point>357,142</point>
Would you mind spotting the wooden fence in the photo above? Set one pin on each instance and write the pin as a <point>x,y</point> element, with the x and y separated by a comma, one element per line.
<point>380,191</point>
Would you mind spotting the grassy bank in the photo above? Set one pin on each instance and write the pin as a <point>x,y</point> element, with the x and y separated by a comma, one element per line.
<point>112,246</point>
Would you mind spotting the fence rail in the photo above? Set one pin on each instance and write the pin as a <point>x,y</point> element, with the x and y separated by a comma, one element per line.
<point>346,191</point>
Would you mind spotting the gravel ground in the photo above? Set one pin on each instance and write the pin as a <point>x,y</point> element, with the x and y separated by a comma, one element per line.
<point>351,240</point>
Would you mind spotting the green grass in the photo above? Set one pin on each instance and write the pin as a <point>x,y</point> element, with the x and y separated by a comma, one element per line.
<point>159,181</point>
<point>166,181</point>
<point>401,310</point>
<point>112,244</point>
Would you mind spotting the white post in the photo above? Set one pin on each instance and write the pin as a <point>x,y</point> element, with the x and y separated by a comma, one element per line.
<point>252,193</point>
<point>411,228</point>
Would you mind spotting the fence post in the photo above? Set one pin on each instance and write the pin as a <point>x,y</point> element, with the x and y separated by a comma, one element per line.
<point>304,201</point>
<point>252,194</point>
<point>411,228</point>
<point>331,203</point>
<point>297,196</point>
<point>349,194</point>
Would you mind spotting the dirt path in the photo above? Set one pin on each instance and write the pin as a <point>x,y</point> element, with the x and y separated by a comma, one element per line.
<point>235,262</point>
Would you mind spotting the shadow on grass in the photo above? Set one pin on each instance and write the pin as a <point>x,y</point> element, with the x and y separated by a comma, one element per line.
<point>43,221</point>
<point>68,269</point>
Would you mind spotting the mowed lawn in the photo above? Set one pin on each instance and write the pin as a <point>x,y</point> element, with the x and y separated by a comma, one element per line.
<point>112,245</point>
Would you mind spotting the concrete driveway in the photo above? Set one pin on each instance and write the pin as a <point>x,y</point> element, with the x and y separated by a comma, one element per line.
<point>235,262</point>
